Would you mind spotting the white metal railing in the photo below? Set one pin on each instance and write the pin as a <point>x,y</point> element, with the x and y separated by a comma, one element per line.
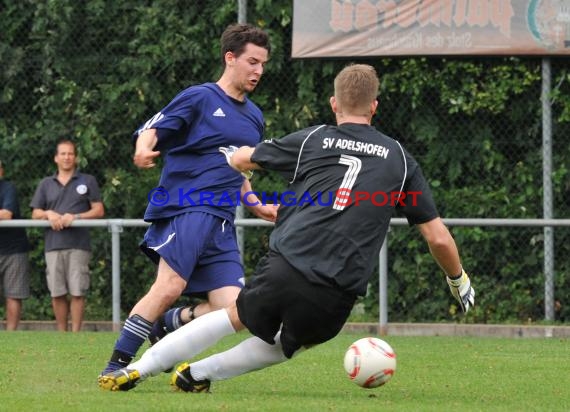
<point>115,227</point>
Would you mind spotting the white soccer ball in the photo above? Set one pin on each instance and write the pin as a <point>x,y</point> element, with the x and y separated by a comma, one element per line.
<point>370,362</point>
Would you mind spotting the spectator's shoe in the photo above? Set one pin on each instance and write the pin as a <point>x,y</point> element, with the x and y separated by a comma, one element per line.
<point>182,380</point>
<point>119,380</point>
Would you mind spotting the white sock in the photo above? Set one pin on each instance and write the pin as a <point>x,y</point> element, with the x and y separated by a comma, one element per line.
<point>251,354</point>
<point>184,343</point>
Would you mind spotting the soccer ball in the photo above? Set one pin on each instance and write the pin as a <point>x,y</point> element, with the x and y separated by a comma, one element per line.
<point>370,362</point>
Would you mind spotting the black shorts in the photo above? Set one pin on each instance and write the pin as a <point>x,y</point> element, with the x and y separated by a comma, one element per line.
<point>278,297</point>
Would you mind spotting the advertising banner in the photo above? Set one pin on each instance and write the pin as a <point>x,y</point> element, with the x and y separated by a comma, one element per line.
<point>352,28</point>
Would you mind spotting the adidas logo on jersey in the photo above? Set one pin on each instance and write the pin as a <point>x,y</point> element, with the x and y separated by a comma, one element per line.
<point>219,113</point>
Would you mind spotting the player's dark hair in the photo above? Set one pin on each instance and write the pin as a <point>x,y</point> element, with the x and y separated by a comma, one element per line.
<point>237,36</point>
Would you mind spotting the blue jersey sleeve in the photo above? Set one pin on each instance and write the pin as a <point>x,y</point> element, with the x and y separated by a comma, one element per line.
<point>173,120</point>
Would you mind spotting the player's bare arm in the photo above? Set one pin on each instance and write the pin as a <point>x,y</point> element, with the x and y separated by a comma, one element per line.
<point>144,151</point>
<point>444,250</point>
<point>441,245</point>
<point>267,212</point>
<point>241,159</point>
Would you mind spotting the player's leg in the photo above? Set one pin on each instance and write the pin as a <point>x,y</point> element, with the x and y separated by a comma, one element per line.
<point>176,250</point>
<point>219,273</point>
<point>310,314</point>
<point>177,317</point>
<point>162,294</point>
<point>219,298</point>
<point>184,343</point>
<point>277,294</point>
<point>259,306</point>
<point>250,355</point>
<point>189,341</point>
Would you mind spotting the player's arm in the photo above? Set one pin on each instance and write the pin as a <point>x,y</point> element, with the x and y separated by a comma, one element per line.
<point>444,250</point>
<point>144,149</point>
<point>421,211</point>
<point>241,160</point>
<point>441,245</point>
<point>253,203</point>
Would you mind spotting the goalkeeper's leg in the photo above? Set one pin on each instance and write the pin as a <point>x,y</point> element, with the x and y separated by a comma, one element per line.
<point>249,355</point>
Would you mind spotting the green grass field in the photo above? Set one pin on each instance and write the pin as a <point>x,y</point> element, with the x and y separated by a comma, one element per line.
<point>50,371</point>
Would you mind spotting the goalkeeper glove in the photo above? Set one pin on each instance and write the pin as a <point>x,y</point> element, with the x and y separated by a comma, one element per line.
<point>229,152</point>
<point>462,291</point>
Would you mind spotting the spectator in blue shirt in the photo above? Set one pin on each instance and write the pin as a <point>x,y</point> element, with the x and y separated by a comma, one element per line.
<point>14,263</point>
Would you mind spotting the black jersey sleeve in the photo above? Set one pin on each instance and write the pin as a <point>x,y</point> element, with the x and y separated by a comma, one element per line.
<point>281,155</point>
<point>418,205</point>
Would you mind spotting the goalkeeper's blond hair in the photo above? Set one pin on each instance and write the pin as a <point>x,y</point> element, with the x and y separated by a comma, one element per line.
<point>355,87</point>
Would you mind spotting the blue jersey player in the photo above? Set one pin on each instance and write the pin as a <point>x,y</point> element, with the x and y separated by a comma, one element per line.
<point>192,237</point>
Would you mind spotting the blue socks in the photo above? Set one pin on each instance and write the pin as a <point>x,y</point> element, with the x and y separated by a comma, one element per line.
<point>172,320</point>
<point>134,333</point>
<point>168,322</point>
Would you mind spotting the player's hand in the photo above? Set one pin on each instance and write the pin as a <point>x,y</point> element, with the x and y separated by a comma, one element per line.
<point>462,291</point>
<point>144,158</point>
<point>266,212</point>
<point>229,152</point>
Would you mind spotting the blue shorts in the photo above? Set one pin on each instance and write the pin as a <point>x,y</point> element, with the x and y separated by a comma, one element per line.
<point>200,247</point>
